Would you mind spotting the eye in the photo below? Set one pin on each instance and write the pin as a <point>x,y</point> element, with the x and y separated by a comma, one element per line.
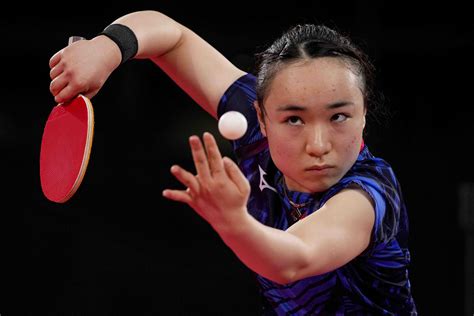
<point>294,121</point>
<point>339,117</point>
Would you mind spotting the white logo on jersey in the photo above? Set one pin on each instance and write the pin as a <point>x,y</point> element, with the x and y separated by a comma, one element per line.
<point>263,184</point>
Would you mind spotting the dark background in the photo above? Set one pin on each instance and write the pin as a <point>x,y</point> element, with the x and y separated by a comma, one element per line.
<point>118,247</point>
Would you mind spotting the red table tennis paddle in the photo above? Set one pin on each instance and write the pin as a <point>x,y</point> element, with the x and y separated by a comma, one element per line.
<point>65,148</point>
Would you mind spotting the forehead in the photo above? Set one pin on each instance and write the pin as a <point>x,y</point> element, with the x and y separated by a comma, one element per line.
<point>316,81</point>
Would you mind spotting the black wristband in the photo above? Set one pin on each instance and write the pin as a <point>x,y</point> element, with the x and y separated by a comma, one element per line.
<point>125,39</point>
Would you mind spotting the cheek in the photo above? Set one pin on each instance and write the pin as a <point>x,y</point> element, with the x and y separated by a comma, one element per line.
<point>282,148</point>
<point>352,147</point>
<point>354,139</point>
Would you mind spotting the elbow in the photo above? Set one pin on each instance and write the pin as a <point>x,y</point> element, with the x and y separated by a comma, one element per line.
<point>280,280</point>
<point>286,276</point>
<point>304,268</point>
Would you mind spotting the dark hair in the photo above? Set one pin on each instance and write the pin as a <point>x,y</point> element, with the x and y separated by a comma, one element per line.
<point>307,41</point>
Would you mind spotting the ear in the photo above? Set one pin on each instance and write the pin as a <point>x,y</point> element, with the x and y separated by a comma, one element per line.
<point>365,114</point>
<point>261,119</point>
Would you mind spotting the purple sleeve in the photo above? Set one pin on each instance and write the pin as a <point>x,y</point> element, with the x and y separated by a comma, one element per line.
<point>240,96</point>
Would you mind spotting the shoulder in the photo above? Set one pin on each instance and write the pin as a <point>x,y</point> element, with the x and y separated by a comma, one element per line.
<point>376,179</point>
<point>240,92</point>
<point>372,173</point>
<point>240,96</point>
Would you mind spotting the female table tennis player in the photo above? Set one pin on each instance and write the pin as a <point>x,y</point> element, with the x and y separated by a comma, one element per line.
<point>308,208</point>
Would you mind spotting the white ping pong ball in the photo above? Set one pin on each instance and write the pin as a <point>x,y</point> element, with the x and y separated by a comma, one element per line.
<point>232,125</point>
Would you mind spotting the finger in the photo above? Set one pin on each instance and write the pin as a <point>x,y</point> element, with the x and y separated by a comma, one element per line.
<point>216,165</point>
<point>178,195</point>
<point>55,71</point>
<point>200,159</point>
<point>234,173</point>
<point>66,94</point>
<point>55,59</point>
<point>57,85</point>
<point>186,178</point>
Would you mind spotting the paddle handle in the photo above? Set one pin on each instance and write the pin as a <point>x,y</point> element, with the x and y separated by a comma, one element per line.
<point>73,39</point>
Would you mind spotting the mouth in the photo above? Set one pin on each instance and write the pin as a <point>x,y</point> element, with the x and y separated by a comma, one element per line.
<point>319,167</point>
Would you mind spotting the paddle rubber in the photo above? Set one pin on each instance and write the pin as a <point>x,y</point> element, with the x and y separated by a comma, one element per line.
<point>65,148</point>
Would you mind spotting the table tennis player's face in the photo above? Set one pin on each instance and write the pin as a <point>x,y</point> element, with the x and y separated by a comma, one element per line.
<point>314,119</point>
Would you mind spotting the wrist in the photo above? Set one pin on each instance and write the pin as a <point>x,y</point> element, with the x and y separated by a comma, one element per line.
<point>124,38</point>
<point>112,53</point>
<point>233,224</point>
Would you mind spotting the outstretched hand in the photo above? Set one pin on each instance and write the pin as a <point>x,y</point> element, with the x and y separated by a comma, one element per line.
<point>219,191</point>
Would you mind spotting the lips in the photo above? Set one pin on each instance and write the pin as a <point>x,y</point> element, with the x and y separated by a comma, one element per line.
<point>319,167</point>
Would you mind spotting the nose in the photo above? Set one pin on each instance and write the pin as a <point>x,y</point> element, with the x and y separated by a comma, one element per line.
<point>318,142</point>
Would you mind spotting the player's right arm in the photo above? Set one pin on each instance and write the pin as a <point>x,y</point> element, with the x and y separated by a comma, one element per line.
<point>198,68</point>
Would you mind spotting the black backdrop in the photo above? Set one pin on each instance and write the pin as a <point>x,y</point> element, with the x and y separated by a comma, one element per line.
<point>118,247</point>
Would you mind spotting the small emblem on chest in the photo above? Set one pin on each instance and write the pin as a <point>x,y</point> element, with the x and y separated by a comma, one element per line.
<point>263,183</point>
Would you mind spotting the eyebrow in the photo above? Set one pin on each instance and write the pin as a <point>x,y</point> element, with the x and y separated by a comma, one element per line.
<point>299,108</point>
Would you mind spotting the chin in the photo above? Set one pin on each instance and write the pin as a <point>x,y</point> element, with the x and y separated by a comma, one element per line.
<point>313,187</point>
<point>320,185</point>
<point>319,188</point>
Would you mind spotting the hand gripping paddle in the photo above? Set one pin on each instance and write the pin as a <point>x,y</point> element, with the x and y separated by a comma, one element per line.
<point>65,148</point>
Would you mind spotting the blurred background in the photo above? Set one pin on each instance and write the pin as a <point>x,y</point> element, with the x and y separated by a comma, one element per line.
<point>118,247</point>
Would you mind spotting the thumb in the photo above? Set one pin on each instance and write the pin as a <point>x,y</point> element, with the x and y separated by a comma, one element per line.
<point>236,175</point>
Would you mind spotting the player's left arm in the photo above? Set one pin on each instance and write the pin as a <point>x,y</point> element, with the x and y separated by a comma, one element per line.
<point>325,240</point>
<point>335,234</point>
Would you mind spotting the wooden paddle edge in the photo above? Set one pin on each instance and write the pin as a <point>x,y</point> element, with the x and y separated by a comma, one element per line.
<point>87,150</point>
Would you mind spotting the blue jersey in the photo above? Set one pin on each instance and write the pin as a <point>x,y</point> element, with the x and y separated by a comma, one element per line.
<point>374,283</point>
